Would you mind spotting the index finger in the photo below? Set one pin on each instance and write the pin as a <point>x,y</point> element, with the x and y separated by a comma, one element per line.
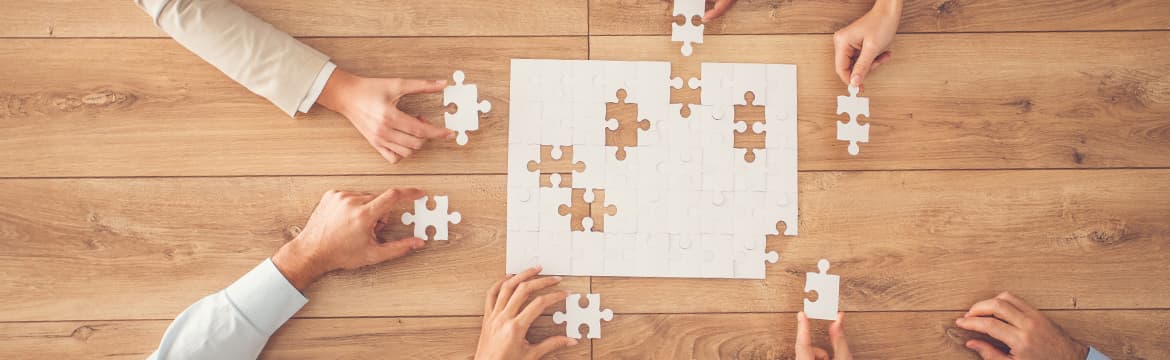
<point>803,339</point>
<point>385,202</point>
<point>842,58</point>
<point>716,11</point>
<point>419,86</point>
<point>999,308</point>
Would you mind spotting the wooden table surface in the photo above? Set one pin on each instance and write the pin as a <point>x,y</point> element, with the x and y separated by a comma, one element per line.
<point>1016,145</point>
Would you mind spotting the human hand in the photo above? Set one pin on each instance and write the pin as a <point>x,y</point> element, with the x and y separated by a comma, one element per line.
<point>506,318</point>
<point>342,234</point>
<point>865,44</point>
<point>371,104</point>
<point>718,9</point>
<point>1021,327</point>
<point>804,348</point>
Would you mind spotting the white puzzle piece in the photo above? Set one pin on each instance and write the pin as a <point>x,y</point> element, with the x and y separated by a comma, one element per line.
<point>852,131</point>
<point>468,106</point>
<point>688,33</point>
<point>685,202</point>
<point>422,218</point>
<point>575,315</point>
<point>826,286</point>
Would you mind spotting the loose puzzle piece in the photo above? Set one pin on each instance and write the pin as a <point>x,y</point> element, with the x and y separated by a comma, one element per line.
<point>688,32</point>
<point>852,131</point>
<point>622,124</point>
<point>465,97</point>
<point>827,288</point>
<point>437,218</point>
<point>576,315</point>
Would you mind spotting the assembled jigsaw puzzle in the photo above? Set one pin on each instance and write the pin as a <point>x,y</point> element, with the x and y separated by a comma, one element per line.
<point>606,177</point>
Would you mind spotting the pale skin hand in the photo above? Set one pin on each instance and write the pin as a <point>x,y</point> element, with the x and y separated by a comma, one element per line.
<point>865,44</point>
<point>507,317</point>
<point>371,104</point>
<point>1022,328</point>
<point>806,351</point>
<point>342,234</point>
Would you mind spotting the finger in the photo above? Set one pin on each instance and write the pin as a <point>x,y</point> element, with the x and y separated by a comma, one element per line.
<point>842,57</point>
<point>524,290</point>
<point>837,338</point>
<point>401,138</point>
<point>999,308</point>
<point>402,151</point>
<point>537,307</point>
<point>420,86</point>
<point>716,11</point>
<point>489,301</point>
<point>881,59</point>
<point>864,64</point>
<point>985,350</point>
<point>418,128</point>
<point>1019,303</point>
<point>992,327</point>
<point>511,284</point>
<point>387,154</point>
<point>804,347</point>
<point>391,250</point>
<point>552,344</point>
<point>384,203</point>
<point>820,354</point>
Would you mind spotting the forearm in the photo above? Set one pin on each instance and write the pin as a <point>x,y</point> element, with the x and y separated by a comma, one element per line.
<point>249,50</point>
<point>889,7</point>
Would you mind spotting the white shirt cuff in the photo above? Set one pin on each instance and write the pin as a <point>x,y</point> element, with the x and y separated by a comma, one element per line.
<point>265,297</point>
<point>318,86</point>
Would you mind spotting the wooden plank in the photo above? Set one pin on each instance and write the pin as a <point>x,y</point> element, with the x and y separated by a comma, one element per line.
<point>936,240</point>
<point>965,101</point>
<point>75,18</point>
<point>149,108</point>
<point>338,338</point>
<point>651,17</point>
<point>148,248</point>
<point>1122,334</point>
<point>83,249</point>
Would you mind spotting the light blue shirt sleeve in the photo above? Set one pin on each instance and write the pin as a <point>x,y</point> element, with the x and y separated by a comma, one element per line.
<point>236,322</point>
<point>1096,355</point>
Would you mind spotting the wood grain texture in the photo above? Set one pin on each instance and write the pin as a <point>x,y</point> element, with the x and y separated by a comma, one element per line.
<point>147,107</point>
<point>344,338</point>
<point>966,101</point>
<point>936,240</point>
<point>1122,334</point>
<point>147,248</point>
<point>651,17</point>
<point>76,18</point>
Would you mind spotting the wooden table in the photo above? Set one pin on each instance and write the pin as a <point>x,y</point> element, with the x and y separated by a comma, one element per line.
<point>1016,145</point>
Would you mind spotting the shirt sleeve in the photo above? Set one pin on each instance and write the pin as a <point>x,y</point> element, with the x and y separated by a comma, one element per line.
<point>318,86</point>
<point>1096,355</point>
<point>236,322</point>
<point>267,61</point>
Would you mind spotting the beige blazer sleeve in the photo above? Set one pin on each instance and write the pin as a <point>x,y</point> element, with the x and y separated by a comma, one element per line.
<point>267,61</point>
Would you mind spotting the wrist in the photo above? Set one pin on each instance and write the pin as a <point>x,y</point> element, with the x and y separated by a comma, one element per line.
<point>337,92</point>
<point>298,265</point>
<point>888,8</point>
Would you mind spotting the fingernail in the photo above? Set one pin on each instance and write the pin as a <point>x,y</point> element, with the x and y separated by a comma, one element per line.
<point>959,320</point>
<point>556,278</point>
<point>573,342</point>
<point>855,80</point>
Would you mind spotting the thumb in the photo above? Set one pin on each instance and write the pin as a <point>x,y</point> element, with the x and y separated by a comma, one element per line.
<point>837,338</point>
<point>985,350</point>
<point>552,344</point>
<point>395,249</point>
<point>864,64</point>
<point>418,86</point>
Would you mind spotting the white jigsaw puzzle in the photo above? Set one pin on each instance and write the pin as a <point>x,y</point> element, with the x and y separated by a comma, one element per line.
<point>688,33</point>
<point>852,131</point>
<point>827,287</point>
<point>685,201</point>
<point>467,107</point>
<point>422,218</point>
<point>576,315</point>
